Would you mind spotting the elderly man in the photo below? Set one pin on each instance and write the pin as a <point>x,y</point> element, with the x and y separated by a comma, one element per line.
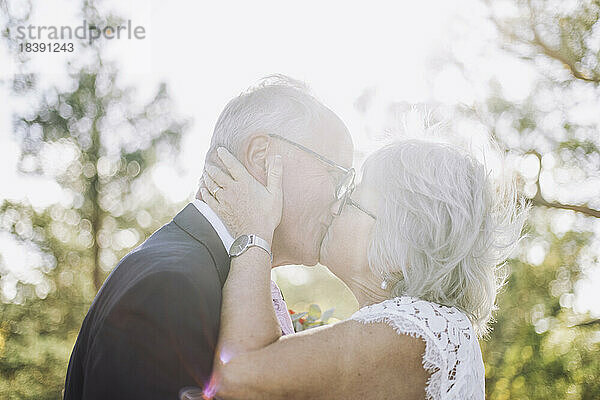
<point>152,329</point>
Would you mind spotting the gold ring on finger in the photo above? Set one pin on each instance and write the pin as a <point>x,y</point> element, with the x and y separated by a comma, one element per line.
<point>214,194</point>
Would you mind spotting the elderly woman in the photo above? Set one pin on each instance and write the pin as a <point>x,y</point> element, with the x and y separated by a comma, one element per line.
<point>419,243</point>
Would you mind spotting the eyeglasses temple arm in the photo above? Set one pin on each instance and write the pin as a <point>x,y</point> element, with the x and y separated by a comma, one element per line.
<point>317,155</point>
<point>355,204</point>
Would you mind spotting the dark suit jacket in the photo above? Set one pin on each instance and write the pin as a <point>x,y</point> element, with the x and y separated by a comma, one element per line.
<point>152,328</point>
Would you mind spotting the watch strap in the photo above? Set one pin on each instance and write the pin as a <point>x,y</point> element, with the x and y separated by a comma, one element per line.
<point>251,240</point>
<point>260,242</point>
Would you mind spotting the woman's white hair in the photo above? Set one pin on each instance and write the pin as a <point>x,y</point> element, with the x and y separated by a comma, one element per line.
<point>444,228</point>
<point>278,105</point>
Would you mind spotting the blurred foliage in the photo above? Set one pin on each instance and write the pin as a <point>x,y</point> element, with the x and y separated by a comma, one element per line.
<point>100,147</point>
<point>101,154</point>
<point>541,346</point>
<point>538,350</point>
<point>311,318</point>
<point>303,286</point>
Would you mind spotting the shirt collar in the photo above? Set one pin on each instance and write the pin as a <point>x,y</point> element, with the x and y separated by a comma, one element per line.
<point>216,223</point>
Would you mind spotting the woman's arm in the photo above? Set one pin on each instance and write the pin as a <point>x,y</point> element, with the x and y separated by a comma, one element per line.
<point>349,360</point>
<point>248,320</point>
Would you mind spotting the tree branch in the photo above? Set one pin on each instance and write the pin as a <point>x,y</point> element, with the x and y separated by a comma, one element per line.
<point>588,323</point>
<point>539,200</point>
<point>544,48</point>
<point>569,64</point>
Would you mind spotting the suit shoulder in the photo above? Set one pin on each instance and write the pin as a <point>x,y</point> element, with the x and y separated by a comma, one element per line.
<point>171,254</point>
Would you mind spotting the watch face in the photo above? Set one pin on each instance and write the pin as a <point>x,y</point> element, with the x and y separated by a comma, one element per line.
<point>239,245</point>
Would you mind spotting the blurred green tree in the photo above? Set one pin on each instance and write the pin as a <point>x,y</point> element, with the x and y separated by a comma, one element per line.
<point>542,346</point>
<point>100,148</point>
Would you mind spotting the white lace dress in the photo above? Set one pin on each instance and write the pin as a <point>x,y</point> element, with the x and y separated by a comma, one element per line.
<point>452,353</point>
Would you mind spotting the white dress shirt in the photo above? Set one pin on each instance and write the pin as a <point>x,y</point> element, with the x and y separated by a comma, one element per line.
<point>216,223</point>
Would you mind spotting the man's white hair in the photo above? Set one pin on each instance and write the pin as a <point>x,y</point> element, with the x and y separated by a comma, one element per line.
<point>444,229</point>
<point>278,105</point>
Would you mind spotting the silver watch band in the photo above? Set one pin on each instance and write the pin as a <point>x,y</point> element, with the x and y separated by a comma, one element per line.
<point>244,242</point>
<point>260,242</point>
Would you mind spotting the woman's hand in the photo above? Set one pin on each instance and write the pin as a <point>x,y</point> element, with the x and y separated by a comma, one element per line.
<point>243,203</point>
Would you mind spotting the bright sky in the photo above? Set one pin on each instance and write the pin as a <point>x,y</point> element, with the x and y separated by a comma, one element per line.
<point>208,52</point>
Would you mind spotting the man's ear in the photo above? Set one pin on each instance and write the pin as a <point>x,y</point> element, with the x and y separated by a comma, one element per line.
<point>255,157</point>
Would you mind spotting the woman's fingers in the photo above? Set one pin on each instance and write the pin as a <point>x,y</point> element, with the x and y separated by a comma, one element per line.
<point>242,202</point>
<point>211,185</point>
<point>209,199</point>
<point>218,176</point>
<point>235,168</point>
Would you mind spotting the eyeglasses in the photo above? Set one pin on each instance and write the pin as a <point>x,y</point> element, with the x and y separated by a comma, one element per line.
<point>351,202</point>
<point>345,186</point>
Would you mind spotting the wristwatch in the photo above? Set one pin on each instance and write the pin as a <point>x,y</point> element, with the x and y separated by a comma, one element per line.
<point>244,242</point>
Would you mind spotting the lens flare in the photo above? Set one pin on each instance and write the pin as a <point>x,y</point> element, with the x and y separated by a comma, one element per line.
<point>210,389</point>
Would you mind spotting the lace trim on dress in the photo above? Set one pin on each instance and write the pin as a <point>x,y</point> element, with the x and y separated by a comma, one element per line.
<point>432,359</point>
<point>452,355</point>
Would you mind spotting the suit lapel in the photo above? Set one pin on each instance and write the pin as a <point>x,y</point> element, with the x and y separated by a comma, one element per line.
<point>193,222</point>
